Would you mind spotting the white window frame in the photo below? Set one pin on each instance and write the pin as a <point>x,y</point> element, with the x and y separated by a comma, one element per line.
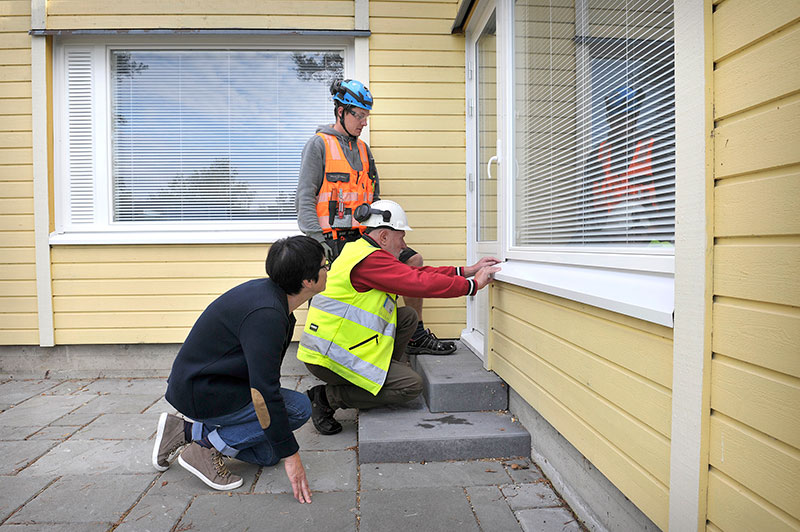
<point>630,281</point>
<point>105,230</point>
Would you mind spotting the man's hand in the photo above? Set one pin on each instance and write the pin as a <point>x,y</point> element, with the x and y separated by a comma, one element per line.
<point>485,276</point>
<point>469,271</point>
<point>297,476</point>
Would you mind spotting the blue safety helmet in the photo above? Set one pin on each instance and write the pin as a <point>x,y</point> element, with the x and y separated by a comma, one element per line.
<point>352,92</point>
<point>624,100</point>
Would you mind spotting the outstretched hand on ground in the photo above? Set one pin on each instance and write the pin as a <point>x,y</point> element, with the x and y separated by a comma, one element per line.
<point>297,476</point>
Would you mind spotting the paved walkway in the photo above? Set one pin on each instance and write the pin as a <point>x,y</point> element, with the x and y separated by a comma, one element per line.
<point>76,456</point>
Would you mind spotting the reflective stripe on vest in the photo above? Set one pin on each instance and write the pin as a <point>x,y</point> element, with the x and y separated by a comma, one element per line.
<point>353,313</point>
<point>343,188</point>
<point>344,357</point>
<point>350,332</point>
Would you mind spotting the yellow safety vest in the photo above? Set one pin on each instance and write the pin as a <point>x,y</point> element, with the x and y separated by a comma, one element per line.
<point>350,332</point>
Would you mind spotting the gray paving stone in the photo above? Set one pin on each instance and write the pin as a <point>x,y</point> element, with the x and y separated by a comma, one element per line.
<point>118,404</point>
<point>155,513</point>
<point>15,391</point>
<point>70,387</point>
<point>325,471</point>
<point>84,499</point>
<point>267,511</point>
<point>56,527</point>
<point>290,382</point>
<point>40,410</point>
<point>491,509</point>
<point>53,433</point>
<point>292,366</point>
<point>310,440</point>
<point>412,433</point>
<point>538,495</point>
<point>156,387</point>
<point>307,382</point>
<point>523,471</point>
<point>75,419</point>
<point>120,427</point>
<point>441,508</point>
<point>429,474</point>
<point>161,406</point>
<point>459,383</point>
<point>548,520</point>
<point>17,455</point>
<point>87,457</point>
<point>15,491</point>
<point>16,433</point>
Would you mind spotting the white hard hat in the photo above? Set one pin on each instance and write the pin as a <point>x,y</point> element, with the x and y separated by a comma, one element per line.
<point>386,213</point>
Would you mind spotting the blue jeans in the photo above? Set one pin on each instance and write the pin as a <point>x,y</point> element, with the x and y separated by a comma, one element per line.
<point>239,435</point>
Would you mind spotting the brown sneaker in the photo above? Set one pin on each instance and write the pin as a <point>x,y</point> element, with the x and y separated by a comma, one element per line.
<point>207,465</point>
<point>169,438</point>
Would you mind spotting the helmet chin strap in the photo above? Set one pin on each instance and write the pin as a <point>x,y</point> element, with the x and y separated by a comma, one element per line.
<point>341,121</point>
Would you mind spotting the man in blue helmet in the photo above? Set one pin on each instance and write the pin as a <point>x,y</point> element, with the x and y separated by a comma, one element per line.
<point>626,161</point>
<point>337,174</point>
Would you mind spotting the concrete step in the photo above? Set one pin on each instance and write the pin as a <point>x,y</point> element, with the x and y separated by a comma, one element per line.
<point>459,383</point>
<point>412,433</point>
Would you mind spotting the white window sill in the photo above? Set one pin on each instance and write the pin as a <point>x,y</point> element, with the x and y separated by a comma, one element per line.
<point>644,295</point>
<point>171,237</point>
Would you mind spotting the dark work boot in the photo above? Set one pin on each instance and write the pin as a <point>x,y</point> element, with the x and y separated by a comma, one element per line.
<point>321,412</point>
<point>428,344</point>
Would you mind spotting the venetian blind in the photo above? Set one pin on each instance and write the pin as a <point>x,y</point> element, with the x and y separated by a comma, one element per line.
<point>594,123</point>
<point>213,135</point>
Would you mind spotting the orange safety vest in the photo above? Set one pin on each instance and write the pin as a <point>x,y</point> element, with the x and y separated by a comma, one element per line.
<point>613,188</point>
<point>343,189</point>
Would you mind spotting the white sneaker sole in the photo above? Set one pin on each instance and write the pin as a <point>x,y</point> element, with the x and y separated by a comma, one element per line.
<point>162,423</point>
<point>198,474</point>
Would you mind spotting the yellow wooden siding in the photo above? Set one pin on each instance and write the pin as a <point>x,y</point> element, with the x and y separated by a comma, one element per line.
<point>601,379</point>
<point>740,23</point>
<point>96,14</point>
<point>754,444</point>
<point>18,304</point>
<point>417,133</point>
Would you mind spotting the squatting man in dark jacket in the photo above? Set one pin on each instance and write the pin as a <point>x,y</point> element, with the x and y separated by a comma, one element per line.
<point>226,376</point>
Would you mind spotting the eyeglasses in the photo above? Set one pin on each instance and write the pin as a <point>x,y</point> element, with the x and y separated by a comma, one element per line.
<point>326,266</point>
<point>361,117</point>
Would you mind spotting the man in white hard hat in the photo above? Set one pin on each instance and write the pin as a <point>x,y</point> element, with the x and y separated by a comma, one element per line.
<point>337,174</point>
<point>355,335</point>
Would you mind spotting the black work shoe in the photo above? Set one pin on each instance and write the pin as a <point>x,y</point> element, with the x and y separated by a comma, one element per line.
<point>428,344</point>
<point>321,412</point>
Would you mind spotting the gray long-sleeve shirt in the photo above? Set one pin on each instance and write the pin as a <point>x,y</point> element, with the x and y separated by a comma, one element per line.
<point>312,171</point>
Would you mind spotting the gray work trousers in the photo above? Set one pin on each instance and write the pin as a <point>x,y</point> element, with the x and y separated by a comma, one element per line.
<point>402,383</point>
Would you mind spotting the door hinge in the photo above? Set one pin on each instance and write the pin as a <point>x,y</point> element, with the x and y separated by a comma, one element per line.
<point>470,107</point>
<point>471,182</point>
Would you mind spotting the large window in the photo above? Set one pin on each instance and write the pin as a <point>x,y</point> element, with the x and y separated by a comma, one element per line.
<point>594,127</point>
<point>185,141</point>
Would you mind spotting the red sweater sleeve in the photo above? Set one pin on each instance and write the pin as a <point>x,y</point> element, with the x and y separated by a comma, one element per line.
<point>382,271</point>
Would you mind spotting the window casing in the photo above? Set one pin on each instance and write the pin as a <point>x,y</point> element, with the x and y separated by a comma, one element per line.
<point>593,126</point>
<point>581,214</point>
<point>176,140</point>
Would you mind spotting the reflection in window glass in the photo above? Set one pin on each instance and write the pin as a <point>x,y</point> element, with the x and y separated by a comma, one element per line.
<point>594,124</point>
<point>213,135</point>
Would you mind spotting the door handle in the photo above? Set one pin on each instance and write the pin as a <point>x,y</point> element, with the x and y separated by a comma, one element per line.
<point>492,159</point>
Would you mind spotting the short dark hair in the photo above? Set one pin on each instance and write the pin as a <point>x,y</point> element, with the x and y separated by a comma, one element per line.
<point>292,260</point>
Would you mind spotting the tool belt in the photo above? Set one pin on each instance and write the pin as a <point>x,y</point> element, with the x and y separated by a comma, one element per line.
<point>348,235</point>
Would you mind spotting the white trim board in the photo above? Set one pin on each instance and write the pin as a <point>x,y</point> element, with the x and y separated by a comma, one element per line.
<point>693,249</point>
<point>644,295</point>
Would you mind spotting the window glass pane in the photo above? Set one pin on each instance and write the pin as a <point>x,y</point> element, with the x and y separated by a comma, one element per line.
<point>594,123</point>
<point>214,135</point>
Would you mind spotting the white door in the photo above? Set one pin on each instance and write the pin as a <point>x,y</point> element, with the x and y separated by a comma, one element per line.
<point>483,164</point>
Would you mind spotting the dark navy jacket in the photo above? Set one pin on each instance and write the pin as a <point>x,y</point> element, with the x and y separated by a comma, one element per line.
<point>236,346</point>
